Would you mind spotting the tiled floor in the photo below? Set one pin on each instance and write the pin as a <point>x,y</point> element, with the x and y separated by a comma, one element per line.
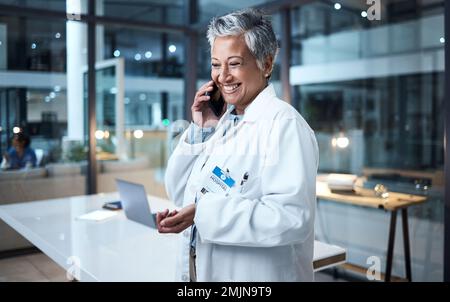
<point>40,268</point>
<point>34,267</point>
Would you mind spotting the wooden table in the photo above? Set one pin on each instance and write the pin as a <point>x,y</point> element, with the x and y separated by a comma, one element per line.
<point>393,203</point>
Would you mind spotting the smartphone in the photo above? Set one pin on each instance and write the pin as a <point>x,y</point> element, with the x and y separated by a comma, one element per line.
<point>113,205</point>
<point>216,101</point>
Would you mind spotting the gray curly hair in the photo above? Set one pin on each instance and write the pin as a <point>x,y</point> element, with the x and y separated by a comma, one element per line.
<point>256,28</point>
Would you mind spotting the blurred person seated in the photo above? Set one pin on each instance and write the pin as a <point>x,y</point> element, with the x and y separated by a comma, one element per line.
<point>20,155</point>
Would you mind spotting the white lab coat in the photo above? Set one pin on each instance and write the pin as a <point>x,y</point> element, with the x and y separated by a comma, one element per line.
<point>264,230</point>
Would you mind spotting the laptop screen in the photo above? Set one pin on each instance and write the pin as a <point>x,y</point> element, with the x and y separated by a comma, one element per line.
<point>135,203</point>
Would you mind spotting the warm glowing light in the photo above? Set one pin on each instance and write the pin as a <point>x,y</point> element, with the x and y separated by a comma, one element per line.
<point>334,142</point>
<point>138,133</point>
<point>342,142</point>
<point>99,134</point>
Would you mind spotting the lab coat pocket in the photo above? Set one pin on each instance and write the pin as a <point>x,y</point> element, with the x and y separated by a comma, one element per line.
<point>251,188</point>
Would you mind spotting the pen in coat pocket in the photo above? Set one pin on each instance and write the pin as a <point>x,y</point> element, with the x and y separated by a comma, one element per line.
<point>244,179</point>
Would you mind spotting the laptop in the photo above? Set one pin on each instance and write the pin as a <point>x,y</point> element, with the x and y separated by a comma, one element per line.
<point>135,203</point>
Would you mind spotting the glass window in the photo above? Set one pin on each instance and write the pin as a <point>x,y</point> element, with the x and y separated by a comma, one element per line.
<point>42,139</point>
<point>58,5</point>
<point>42,44</point>
<point>146,53</point>
<point>140,92</point>
<point>157,11</point>
<point>373,91</point>
<point>330,35</point>
<point>211,8</point>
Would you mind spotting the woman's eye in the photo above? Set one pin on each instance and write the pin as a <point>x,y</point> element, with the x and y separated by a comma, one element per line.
<point>215,65</point>
<point>235,64</point>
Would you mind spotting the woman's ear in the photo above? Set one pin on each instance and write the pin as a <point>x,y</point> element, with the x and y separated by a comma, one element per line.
<point>268,67</point>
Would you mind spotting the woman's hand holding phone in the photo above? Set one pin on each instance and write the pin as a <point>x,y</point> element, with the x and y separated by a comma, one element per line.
<point>202,114</point>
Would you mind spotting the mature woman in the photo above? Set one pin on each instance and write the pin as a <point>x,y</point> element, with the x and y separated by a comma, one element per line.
<point>244,180</point>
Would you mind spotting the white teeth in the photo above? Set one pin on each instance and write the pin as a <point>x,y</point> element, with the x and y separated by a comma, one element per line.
<point>229,88</point>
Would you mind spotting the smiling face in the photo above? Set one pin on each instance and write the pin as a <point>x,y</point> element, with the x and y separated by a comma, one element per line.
<point>235,72</point>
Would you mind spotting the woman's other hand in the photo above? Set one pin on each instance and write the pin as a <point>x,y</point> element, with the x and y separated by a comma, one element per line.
<point>175,222</point>
<point>164,214</point>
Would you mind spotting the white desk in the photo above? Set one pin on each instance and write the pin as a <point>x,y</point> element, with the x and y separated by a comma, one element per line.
<point>116,249</point>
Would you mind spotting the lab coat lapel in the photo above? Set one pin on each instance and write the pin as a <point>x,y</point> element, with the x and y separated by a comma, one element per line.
<point>260,105</point>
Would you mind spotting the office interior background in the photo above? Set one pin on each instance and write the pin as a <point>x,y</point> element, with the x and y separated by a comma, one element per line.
<point>103,88</point>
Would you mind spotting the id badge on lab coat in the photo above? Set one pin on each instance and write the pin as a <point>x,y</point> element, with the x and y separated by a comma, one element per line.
<point>218,181</point>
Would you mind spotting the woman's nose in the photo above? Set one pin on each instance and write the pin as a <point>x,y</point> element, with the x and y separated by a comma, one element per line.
<point>224,75</point>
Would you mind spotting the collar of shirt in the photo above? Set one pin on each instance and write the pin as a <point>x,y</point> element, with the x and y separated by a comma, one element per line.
<point>234,116</point>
